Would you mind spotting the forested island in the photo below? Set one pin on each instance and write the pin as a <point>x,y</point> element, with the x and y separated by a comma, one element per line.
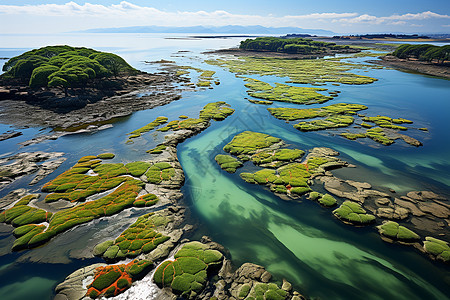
<point>422,58</point>
<point>293,46</point>
<point>63,79</point>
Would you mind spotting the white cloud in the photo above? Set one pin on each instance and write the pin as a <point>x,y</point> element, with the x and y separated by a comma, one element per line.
<point>394,19</point>
<point>73,16</point>
<point>152,16</point>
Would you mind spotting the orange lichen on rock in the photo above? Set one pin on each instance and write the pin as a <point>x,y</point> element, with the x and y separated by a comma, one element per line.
<point>110,281</point>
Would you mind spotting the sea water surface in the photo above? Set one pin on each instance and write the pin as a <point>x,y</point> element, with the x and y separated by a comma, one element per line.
<point>298,241</point>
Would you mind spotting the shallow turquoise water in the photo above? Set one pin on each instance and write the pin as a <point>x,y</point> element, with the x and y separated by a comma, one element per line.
<point>297,241</point>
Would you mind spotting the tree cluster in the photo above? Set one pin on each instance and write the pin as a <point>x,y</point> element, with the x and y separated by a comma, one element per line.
<point>290,45</point>
<point>424,52</point>
<point>64,66</point>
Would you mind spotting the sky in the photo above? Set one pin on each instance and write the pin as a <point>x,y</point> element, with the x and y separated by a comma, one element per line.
<point>344,16</point>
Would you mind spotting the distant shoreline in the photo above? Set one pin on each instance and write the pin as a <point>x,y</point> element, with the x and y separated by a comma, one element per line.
<point>246,53</point>
<point>415,66</point>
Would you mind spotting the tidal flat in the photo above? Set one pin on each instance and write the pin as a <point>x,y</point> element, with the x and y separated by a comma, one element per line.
<point>225,199</point>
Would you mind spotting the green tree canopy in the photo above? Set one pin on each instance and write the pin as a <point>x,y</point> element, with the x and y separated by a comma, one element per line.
<point>424,52</point>
<point>289,45</point>
<point>64,66</point>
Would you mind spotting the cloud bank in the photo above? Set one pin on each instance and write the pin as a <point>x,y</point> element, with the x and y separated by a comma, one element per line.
<point>89,15</point>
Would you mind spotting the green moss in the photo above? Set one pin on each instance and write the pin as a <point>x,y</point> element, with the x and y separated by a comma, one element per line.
<point>150,126</point>
<point>183,117</point>
<point>160,172</point>
<point>264,291</point>
<point>394,231</point>
<point>277,157</point>
<point>336,121</point>
<point>305,71</point>
<point>314,196</point>
<point>387,122</point>
<point>140,237</point>
<point>228,163</point>
<point>377,134</point>
<point>102,247</point>
<point>264,102</point>
<point>105,280</point>
<point>137,168</point>
<point>249,142</point>
<point>437,248</point>
<point>157,150</point>
<point>285,93</point>
<point>327,200</point>
<point>188,272</point>
<point>353,213</point>
<point>353,136</point>
<point>217,111</point>
<point>292,114</point>
<point>106,156</point>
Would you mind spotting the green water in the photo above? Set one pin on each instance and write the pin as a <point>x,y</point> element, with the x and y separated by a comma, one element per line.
<point>299,241</point>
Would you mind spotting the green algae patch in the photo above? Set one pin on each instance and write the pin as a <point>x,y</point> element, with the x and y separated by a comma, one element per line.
<point>110,281</point>
<point>205,78</point>
<point>387,122</point>
<point>285,93</point>
<point>305,71</point>
<point>216,111</point>
<point>183,117</point>
<point>160,172</point>
<point>264,102</point>
<point>276,158</point>
<point>212,111</point>
<point>150,126</point>
<point>106,156</point>
<point>377,134</point>
<point>140,237</point>
<point>437,249</point>
<point>292,114</point>
<point>188,272</point>
<point>353,213</point>
<point>228,163</point>
<point>336,121</point>
<point>157,150</point>
<point>394,231</point>
<point>248,142</point>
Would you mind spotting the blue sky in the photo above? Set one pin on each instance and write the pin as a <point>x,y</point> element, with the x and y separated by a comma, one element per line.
<point>21,16</point>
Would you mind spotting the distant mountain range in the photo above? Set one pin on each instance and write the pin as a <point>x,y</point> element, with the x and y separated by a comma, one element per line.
<point>230,29</point>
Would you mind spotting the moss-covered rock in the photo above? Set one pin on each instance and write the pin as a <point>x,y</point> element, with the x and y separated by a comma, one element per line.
<point>437,249</point>
<point>228,163</point>
<point>248,142</point>
<point>327,200</point>
<point>141,237</point>
<point>216,111</point>
<point>394,231</point>
<point>305,71</point>
<point>188,272</point>
<point>292,114</point>
<point>285,93</point>
<point>113,280</point>
<point>353,213</point>
<point>150,126</point>
<point>157,150</point>
<point>106,156</point>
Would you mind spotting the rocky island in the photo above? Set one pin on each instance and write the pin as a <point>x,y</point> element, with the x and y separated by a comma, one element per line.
<point>58,84</point>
